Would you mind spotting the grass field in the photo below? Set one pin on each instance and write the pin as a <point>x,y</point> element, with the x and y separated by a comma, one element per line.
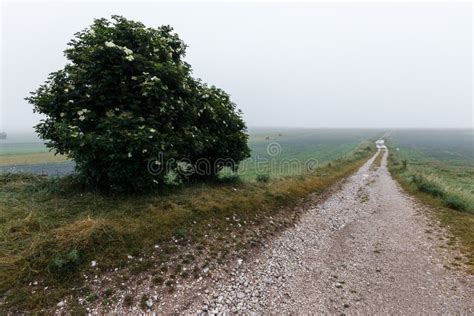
<point>52,228</point>
<point>26,149</point>
<point>293,148</point>
<point>438,167</point>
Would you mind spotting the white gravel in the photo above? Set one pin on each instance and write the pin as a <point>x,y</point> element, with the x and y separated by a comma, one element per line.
<point>369,248</point>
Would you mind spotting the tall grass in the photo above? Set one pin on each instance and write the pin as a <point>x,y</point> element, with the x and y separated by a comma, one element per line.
<point>446,188</point>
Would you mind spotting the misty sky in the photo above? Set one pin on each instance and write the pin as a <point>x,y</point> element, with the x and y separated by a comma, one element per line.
<point>284,64</point>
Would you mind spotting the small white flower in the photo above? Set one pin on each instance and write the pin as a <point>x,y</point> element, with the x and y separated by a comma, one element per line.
<point>129,58</point>
<point>70,101</point>
<point>117,109</point>
<point>82,118</point>
<point>144,151</point>
<point>66,90</point>
<point>80,112</point>
<point>88,95</point>
<point>154,78</point>
<point>133,78</point>
<point>110,44</point>
<point>150,137</point>
<point>127,51</point>
<point>152,130</point>
<point>141,127</point>
<point>129,155</point>
<point>62,114</point>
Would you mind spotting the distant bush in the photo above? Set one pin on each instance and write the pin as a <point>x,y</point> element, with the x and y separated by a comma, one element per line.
<point>456,203</point>
<point>125,96</point>
<point>263,178</point>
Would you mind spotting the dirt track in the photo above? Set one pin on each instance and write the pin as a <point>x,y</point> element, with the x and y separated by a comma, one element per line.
<point>369,248</point>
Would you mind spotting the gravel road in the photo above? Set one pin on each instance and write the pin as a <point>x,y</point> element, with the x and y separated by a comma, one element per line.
<point>368,248</point>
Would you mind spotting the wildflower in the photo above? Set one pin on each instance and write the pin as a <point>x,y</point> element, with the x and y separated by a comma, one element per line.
<point>66,90</point>
<point>129,58</point>
<point>117,109</point>
<point>141,127</point>
<point>80,112</point>
<point>154,78</point>
<point>133,78</point>
<point>82,118</point>
<point>70,101</point>
<point>110,44</point>
<point>129,155</point>
<point>62,114</point>
<point>144,151</point>
<point>127,51</point>
<point>88,95</point>
<point>152,130</point>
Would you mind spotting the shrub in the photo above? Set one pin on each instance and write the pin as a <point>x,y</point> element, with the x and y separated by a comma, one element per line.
<point>263,178</point>
<point>126,96</point>
<point>404,164</point>
<point>232,178</point>
<point>427,187</point>
<point>455,202</point>
<point>62,264</point>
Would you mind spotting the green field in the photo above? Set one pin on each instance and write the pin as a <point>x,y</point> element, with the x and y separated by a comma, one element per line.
<point>295,147</point>
<point>438,167</point>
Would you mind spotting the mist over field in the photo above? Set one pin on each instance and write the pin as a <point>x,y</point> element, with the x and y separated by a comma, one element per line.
<point>284,64</point>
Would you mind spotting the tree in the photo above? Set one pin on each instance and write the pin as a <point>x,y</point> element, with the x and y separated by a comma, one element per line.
<point>125,96</point>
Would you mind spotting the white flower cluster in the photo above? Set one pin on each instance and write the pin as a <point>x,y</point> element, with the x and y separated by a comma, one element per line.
<point>75,132</point>
<point>82,113</point>
<point>128,52</point>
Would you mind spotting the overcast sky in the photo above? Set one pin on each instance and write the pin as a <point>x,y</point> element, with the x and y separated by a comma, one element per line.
<point>284,64</point>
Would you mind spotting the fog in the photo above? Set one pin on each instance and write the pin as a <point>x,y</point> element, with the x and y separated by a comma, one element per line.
<point>284,64</point>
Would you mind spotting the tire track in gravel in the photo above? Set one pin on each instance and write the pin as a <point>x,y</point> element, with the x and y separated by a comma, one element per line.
<point>363,250</point>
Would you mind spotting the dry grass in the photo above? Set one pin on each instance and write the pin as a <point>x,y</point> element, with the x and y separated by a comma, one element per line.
<point>377,161</point>
<point>51,229</point>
